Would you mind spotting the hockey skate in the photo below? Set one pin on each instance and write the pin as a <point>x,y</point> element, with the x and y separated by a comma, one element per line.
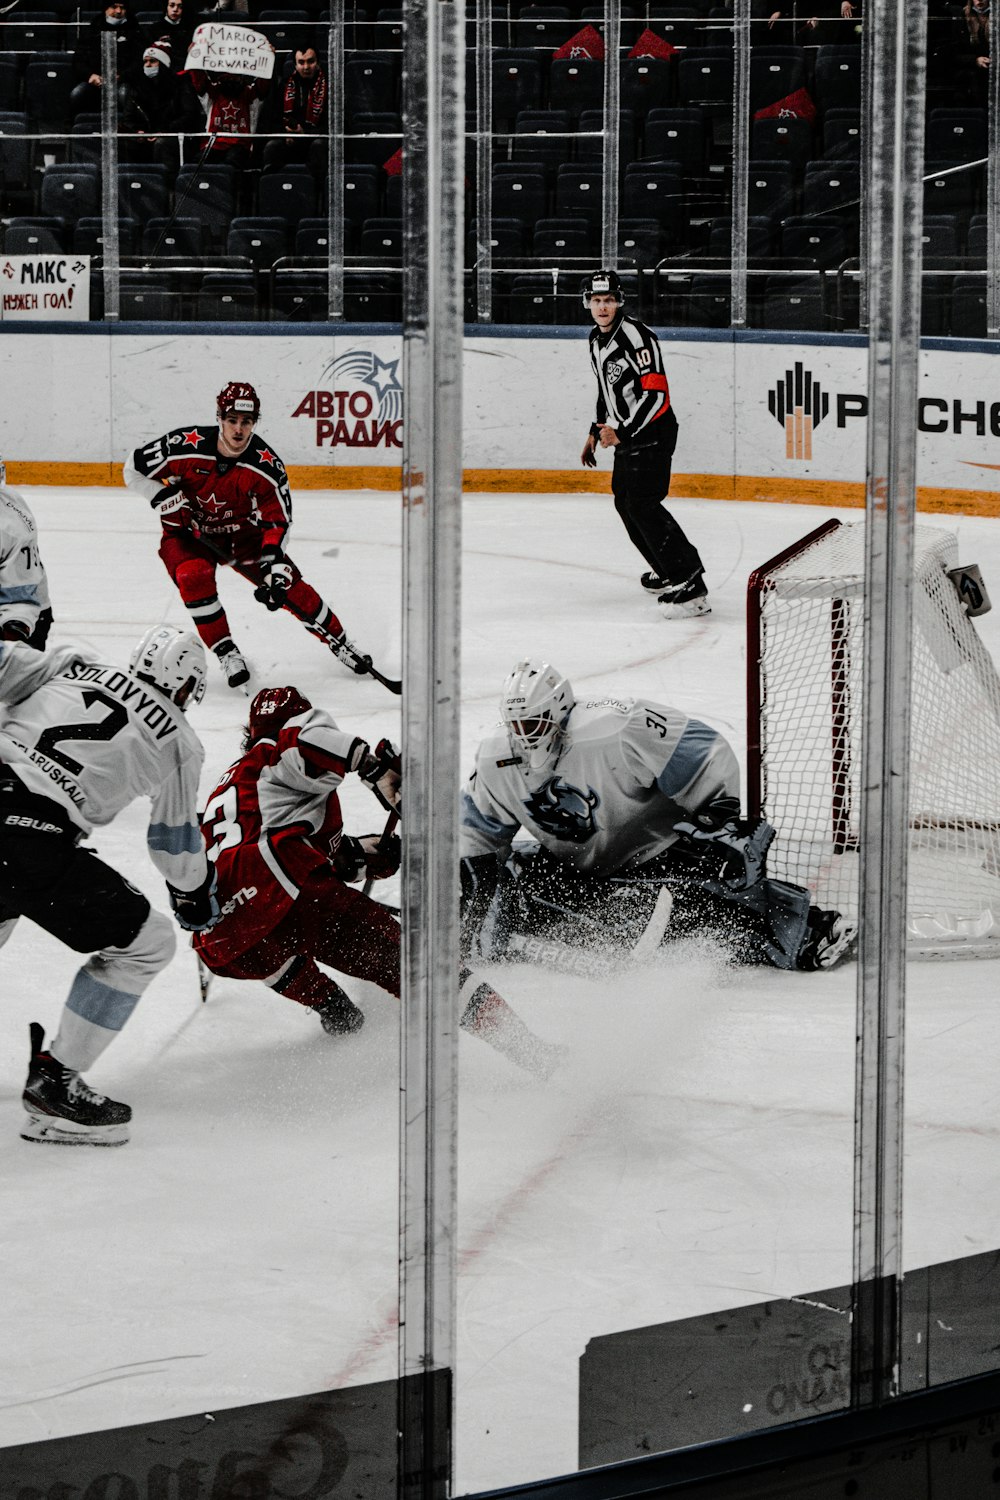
<point>62,1110</point>
<point>233,664</point>
<point>338,1014</point>
<point>682,601</point>
<point>832,940</point>
<point>653,583</point>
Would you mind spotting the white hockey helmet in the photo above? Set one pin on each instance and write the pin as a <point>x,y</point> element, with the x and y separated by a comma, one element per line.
<point>535,703</point>
<point>172,660</point>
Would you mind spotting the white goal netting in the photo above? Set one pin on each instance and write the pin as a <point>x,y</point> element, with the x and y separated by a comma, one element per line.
<point>809,609</point>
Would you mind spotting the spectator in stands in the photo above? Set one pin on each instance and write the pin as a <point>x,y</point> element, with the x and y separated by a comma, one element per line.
<point>116,17</point>
<point>304,110</point>
<point>177,24</point>
<point>232,103</point>
<point>156,104</point>
<point>240,7</point>
<point>794,24</point>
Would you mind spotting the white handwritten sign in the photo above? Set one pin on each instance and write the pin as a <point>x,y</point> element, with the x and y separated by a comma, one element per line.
<point>45,288</point>
<point>218,47</point>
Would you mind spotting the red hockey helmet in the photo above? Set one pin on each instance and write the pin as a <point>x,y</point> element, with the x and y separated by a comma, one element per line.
<point>271,710</point>
<point>238,399</point>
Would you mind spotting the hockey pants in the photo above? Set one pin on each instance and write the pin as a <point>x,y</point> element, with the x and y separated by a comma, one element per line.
<point>329,922</point>
<point>69,892</point>
<point>192,565</point>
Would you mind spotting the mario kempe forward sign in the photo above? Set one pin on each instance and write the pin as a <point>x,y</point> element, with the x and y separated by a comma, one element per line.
<point>45,288</point>
<point>218,48</point>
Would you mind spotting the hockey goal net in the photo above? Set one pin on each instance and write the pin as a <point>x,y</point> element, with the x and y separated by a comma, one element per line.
<point>805,659</point>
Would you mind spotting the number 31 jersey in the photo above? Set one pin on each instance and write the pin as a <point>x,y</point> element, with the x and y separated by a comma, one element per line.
<point>94,738</point>
<point>628,771</point>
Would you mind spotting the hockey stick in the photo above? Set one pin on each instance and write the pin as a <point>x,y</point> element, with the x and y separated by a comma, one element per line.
<point>385,836</point>
<point>204,980</point>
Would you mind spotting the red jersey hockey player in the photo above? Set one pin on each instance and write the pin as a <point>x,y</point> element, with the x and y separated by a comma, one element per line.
<point>274,831</point>
<point>222,497</point>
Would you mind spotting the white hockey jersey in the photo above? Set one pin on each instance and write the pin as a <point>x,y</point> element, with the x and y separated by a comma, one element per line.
<point>94,738</point>
<point>629,770</point>
<point>24,588</point>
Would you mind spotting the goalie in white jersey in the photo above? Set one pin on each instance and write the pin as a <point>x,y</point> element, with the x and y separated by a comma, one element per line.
<point>623,797</point>
<point>79,741</point>
<point>25,613</point>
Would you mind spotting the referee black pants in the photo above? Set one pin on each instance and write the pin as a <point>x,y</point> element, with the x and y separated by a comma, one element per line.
<point>640,483</point>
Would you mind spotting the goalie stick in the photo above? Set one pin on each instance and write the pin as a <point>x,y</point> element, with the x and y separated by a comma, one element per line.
<point>570,960</point>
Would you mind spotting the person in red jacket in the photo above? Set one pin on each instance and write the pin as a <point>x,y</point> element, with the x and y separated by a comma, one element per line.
<point>285,870</point>
<point>222,497</point>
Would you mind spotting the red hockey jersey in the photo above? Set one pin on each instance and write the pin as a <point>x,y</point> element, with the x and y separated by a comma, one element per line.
<point>272,820</point>
<point>231,501</point>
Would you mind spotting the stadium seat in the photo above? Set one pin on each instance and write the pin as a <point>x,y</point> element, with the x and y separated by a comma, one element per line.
<point>677,135</point>
<point>533,300</point>
<point>542,135</point>
<point>143,190</point>
<point>10,84</point>
<point>15,152</point>
<point>372,299</point>
<point>284,29</point>
<point>373,140</point>
<point>48,83</point>
<point>579,193</point>
<point>208,194</point>
<point>975,247</point>
<point>517,85</point>
<point>793,304</point>
<point>371,83</point>
<point>88,236</point>
<point>956,135</point>
<point>289,195</point>
<point>947,190</point>
<point>825,240</point>
<point>519,195</point>
<point>760,237</point>
<point>841,132</point>
<point>706,77</point>
<point>640,242</point>
<point>939,234</point>
<point>590,146</point>
<point>70,192</point>
<point>544,27</point>
<point>141,298</point>
<point>576,84</point>
<point>831,187</point>
<point>771,191</point>
<point>33,31</point>
<point>789,140</point>
<point>647,82</point>
<point>226,297</point>
<point>653,190</point>
<point>968,308</point>
<point>707,304</point>
<point>259,240</point>
<point>508,238</point>
<point>34,236</point>
<point>837,77</point>
<point>559,240</point>
<point>775,72</point>
<point>382,241</point>
<point>174,236</point>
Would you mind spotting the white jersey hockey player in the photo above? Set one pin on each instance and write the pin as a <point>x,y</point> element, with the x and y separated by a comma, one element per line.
<point>25,612</point>
<point>622,792</point>
<point>79,740</point>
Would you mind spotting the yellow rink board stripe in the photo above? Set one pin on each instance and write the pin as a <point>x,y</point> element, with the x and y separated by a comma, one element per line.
<point>771,488</point>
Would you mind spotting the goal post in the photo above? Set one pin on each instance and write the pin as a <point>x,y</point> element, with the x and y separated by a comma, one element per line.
<point>805,700</point>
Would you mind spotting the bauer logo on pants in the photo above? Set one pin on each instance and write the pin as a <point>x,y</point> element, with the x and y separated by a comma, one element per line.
<point>799,403</point>
<point>360,404</point>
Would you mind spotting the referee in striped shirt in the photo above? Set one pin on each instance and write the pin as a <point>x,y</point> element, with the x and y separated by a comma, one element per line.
<point>636,419</point>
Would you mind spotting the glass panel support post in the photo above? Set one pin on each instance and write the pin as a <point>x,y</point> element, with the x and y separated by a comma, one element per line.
<point>895,167</point>
<point>433,176</point>
<point>993,206</point>
<point>484,161</point>
<point>611,122</point>
<point>335,166</point>
<point>109,177</point>
<point>741,162</point>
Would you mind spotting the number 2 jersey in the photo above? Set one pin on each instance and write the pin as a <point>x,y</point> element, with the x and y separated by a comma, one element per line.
<point>274,819</point>
<point>93,738</point>
<point>236,503</point>
<point>629,770</point>
<point>24,589</point>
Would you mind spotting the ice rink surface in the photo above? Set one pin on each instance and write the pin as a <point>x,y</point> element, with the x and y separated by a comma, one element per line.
<point>693,1153</point>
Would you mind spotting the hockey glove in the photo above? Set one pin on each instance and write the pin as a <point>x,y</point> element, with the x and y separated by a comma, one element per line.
<point>171,504</point>
<point>479,876</point>
<point>382,770</point>
<point>277,581</point>
<point>373,857</point>
<point>15,630</point>
<point>198,910</point>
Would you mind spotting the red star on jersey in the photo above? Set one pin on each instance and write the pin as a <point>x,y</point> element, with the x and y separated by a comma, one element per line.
<point>266,456</point>
<point>192,438</point>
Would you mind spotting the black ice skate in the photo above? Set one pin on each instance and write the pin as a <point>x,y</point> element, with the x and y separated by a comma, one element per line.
<point>62,1110</point>
<point>338,1014</point>
<point>233,664</point>
<point>680,601</point>
<point>653,583</point>
<point>832,940</point>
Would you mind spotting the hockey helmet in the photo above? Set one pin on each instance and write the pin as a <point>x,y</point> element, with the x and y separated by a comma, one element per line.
<point>238,399</point>
<point>173,661</point>
<point>535,703</point>
<point>271,710</point>
<point>603,284</point>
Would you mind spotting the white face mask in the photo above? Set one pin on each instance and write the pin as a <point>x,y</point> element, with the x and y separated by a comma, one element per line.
<point>151,69</point>
<point>116,20</point>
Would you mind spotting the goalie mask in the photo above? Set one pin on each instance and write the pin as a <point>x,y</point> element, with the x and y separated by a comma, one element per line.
<point>535,703</point>
<point>238,399</point>
<point>271,710</point>
<point>173,661</point>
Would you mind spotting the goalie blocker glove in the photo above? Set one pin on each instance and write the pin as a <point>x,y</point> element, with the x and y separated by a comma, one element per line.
<point>198,910</point>
<point>374,857</point>
<point>277,580</point>
<point>382,770</point>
